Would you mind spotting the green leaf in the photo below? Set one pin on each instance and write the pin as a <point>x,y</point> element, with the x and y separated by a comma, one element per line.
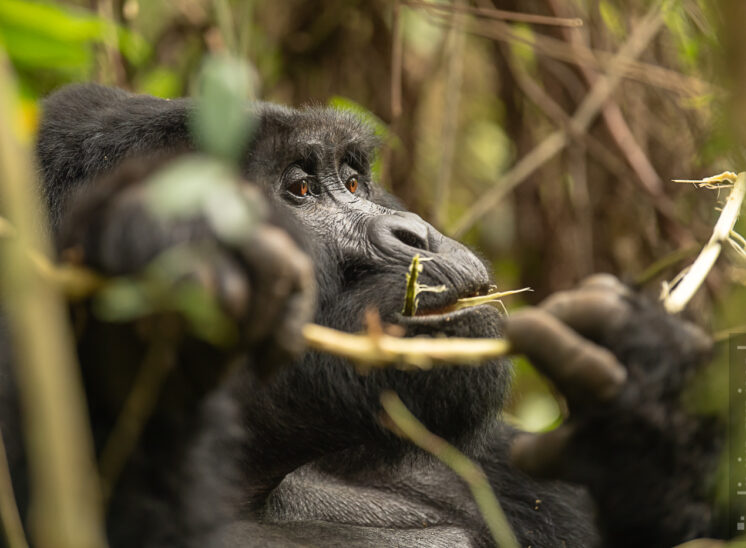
<point>122,300</point>
<point>161,82</point>
<point>47,36</point>
<point>180,190</point>
<point>222,122</point>
<point>198,186</point>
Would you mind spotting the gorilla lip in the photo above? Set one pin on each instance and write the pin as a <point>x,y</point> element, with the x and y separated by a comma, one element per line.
<point>449,309</point>
<point>459,303</point>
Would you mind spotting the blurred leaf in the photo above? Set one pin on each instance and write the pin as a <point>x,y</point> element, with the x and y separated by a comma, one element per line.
<point>687,39</point>
<point>538,412</point>
<point>222,122</point>
<point>50,21</point>
<point>167,286</point>
<point>205,317</point>
<point>122,300</point>
<point>132,46</point>
<point>489,151</point>
<point>231,215</point>
<point>612,19</point>
<point>181,189</point>
<point>47,36</point>
<point>161,82</point>
<point>198,186</point>
<point>37,50</point>
<point>420,31</point>
<point>524,52</point>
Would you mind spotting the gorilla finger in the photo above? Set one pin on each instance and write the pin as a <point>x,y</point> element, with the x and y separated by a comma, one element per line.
<point>592,312</point>
<point>542,455</point>
<point>232,286</point>
<point>583,371</point>
<point>278,269</point>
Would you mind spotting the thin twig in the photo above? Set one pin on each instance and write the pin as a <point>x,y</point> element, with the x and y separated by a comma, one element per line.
<point>65,499</point>
<point>559,117</point>
<point>632,69</point>
<point>616,123</point>
<point>397,48</point>
<point>676,299</point>
<point>664,263</point>
<point>75,282</point>
<point>491,13</point>
<point>382,350</point>
<point>449,128</point>
<point>581,120</point>
<point>138,407</point>
<point>406,424</point>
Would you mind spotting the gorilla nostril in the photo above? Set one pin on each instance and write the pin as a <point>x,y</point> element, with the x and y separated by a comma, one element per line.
<point>411,239</point>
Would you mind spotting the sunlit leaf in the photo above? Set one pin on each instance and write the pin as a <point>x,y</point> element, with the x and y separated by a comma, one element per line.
<point>161,82</point>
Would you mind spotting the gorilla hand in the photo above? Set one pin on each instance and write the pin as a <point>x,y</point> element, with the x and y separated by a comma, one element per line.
<point>262,280</point>
<point>621,362</point>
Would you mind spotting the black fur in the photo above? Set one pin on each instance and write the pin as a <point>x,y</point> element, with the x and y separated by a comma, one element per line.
<point>302,459</point>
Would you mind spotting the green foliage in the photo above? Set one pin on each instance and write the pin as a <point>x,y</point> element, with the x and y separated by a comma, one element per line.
<point>167,286</point>
<point>222,122</point>
<point>687,38</point>
<point>199,186</point>
<point>161,82</point>
<point>42,36</point>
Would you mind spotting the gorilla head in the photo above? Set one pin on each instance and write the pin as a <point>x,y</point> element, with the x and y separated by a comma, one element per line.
<point>316,166</point>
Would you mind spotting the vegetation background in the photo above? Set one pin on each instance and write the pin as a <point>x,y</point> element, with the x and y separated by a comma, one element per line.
<point>461,92</point>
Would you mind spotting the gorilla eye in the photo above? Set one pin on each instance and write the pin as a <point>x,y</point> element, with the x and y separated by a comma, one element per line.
<point>300,188</point>
<point>351,184</point>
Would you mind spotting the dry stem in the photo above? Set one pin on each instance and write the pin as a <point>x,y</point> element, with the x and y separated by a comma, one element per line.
<point>602,89</point>
<point>65,499</point>
<point>406,424</point>
<point>676,299</point>
<point>382,350</point>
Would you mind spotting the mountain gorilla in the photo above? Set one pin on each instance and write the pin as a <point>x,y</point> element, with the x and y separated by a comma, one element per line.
<point>234,457</point>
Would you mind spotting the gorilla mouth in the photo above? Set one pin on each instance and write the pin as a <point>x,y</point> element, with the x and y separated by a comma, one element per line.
<point>450,301</point>
<point>444,310</point>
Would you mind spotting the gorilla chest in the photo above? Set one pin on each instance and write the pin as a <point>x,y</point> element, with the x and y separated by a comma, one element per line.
<point>407,506</point>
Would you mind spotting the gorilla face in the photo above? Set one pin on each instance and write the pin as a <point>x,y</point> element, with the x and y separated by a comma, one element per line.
<point>316,165</point>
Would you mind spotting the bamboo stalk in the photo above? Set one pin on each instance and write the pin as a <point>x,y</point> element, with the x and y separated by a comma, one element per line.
<point>65,499</point>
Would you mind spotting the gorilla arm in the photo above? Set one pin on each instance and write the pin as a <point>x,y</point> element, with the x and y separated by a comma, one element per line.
<point>622,363</point>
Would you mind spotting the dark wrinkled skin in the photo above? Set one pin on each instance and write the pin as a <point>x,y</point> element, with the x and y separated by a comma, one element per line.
<point>301,458</point>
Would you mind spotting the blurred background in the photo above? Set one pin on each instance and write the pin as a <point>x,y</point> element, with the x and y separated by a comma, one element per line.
<point>461,92</point>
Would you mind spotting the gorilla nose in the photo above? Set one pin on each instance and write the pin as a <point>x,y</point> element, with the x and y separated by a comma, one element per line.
<point>403,232</point>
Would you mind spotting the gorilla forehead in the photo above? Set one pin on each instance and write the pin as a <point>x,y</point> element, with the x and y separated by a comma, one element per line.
<point>284,135</point>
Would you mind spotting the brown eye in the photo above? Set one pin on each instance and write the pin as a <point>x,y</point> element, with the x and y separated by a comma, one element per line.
<point>352,184</point>
<point>299,188</point>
